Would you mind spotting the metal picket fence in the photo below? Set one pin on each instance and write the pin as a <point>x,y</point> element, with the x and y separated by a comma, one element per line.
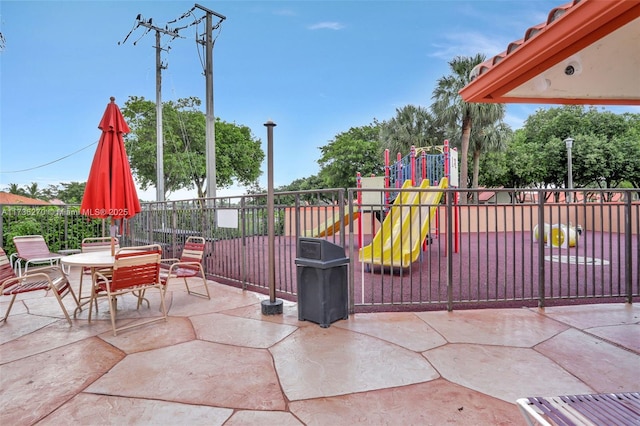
<point>510,248</point>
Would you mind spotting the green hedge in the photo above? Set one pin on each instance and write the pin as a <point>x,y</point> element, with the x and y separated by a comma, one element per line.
<point>63,227</point>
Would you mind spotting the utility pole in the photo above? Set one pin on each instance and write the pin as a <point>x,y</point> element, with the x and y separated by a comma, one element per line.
<point>210,117</point>
<point>159,67</point>
<point>159,135</point>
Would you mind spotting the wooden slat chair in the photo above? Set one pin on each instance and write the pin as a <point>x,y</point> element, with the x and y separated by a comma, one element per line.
<point>95,244</point>
<point>32,250</point>
<point>189,265</point>
<point>12,285</point>
<point>589,409</point>
<point>134,271</point>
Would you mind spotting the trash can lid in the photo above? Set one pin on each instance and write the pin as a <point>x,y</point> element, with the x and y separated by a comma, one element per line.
<point>322,264</point>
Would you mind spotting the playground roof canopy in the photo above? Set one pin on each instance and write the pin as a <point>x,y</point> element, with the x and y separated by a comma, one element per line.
<point>587,52</point>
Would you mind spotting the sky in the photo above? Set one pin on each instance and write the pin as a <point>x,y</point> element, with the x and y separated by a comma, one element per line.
<point>315,68</point>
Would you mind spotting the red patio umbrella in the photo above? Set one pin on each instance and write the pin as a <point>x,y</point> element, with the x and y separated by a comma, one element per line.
<point>110,192</point>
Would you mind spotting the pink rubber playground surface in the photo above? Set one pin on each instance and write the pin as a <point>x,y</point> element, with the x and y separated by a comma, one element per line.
<point>489,270</point>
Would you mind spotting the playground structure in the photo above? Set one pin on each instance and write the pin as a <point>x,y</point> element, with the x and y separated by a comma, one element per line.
<point>558,235</point>
<point>422,163</point>
<point>333,224</point>
<point>400,239</point>
<point>414,167</point>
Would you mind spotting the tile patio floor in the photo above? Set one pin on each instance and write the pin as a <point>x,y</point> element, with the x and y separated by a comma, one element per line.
<point>221,362</point>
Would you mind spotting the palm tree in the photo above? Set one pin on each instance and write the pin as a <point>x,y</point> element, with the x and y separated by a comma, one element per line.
<point>492,137</point>
<point>452,111</point>
<point>15,189</point>
<point>412,125</point>
<point>32,191</point>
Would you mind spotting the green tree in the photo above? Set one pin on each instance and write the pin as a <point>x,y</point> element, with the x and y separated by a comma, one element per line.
<point>412,125</point>
<point>303,184</point>
<point>451,111</point>
<point>238,153</point>
<point>605,148</point>
<point>356,150</point>
<point>33,190</point>
<point>72,192</point>
<point>630,147</point>
<point>50,192</point>
<point>517,166</point>
<point>490,138</point>
<point>526,165</point>
<point>494,170</point>
<point>311,183</point>
<point>15,189</point>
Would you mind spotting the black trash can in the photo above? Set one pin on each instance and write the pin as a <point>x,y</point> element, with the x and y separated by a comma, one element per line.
<point>322,281</point>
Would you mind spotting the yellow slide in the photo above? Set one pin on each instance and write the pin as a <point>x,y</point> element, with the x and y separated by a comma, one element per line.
<point>332,225</point>
<point>399,241</point>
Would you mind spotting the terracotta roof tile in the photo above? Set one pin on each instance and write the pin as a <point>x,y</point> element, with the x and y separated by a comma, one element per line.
<point>546,64</point>
<point>531,32</point>
<point>7,198</point>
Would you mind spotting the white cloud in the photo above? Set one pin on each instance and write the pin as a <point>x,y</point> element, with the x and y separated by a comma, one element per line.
<point>327,26</point>
<point>513,120</point>
<point>468,44</point>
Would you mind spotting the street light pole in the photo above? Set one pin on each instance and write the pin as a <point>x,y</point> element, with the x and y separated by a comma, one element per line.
<point>569,144</point>
<point>272,306</point>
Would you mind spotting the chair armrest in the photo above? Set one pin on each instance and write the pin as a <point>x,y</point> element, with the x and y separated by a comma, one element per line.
<point>13,258</point>
<point>25,279</point>
<point>167,263</point>
<point>178,265</point>
<point>187,263</point>
<point>531,416</point>
<point>101,277</point>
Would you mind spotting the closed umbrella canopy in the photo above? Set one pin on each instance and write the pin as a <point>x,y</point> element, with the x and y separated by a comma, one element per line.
<point>110,191</point>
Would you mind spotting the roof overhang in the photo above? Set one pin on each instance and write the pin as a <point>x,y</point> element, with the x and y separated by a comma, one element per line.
<point>588,52</point>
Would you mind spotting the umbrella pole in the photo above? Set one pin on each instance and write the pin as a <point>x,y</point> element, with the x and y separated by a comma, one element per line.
<point>111,232</point>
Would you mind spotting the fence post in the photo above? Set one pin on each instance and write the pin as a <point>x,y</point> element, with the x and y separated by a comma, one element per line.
<point>448,254</point>
<point>66,226</point>
<point>174,227</point>
<point>628,247</point>
<point>541,265</point>
<point>353,252</point>
<point>243,236</point>
<point>341,213</point>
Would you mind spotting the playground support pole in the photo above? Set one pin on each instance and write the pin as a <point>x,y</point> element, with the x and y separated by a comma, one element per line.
<point>399,171</point>
<point>423,174</point>
<point>456,209</point>
<point>447,172</point>
<point>386,175</point>
<point>412,158</point>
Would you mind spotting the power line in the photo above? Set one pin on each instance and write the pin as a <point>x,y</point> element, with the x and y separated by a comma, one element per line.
<point>207,43</point>
<point>148,24</point>
<point>50,162</point>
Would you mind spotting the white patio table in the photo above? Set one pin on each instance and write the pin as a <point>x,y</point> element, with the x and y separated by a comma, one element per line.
<point>95,260</point>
